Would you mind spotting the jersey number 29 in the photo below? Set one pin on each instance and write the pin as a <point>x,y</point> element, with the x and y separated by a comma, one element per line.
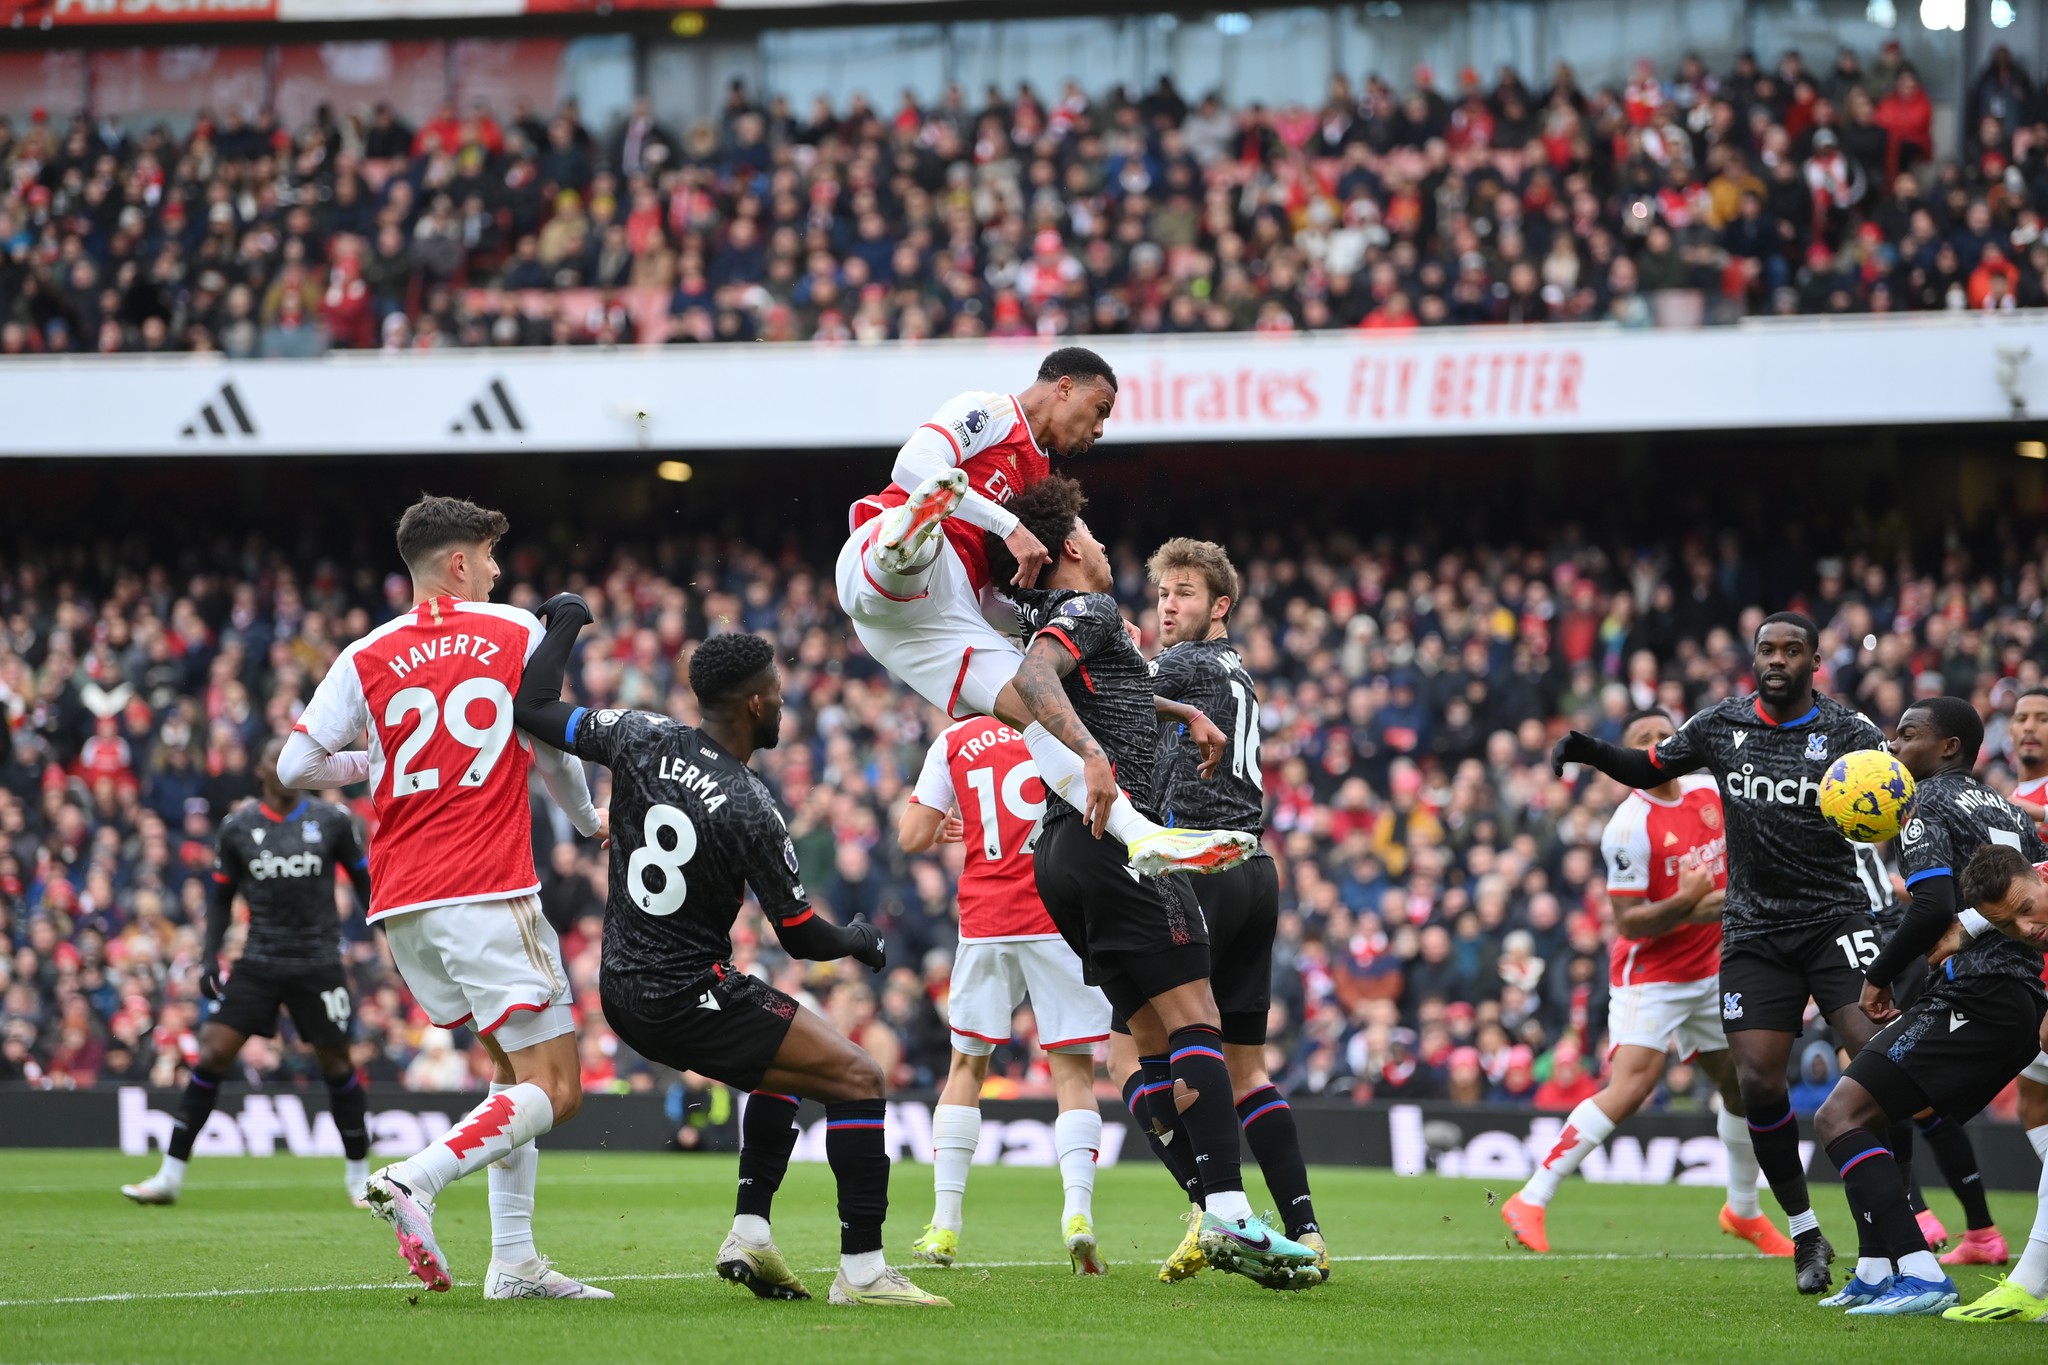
<point>452,715</point>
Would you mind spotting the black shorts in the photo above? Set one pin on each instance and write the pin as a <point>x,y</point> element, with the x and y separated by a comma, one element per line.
<point>317,997</point>
<point>726,1025</point>
<point>1955,1049</point>
<point>1137,937</point>
<point>1766,981</point>
<point>1242,906</point>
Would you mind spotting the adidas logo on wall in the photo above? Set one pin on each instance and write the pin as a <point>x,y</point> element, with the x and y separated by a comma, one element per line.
<point>490,412</point>
<point>223,416</point>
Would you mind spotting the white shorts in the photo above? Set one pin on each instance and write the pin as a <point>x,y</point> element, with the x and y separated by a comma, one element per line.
<point>937,643</point>
<point>2037,1070</point>
<point>495,965</point>
<point>992,976</point>
<point>1659,1014</point>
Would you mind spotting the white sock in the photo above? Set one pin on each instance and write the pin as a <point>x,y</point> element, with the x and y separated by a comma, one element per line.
<point>2031,1274</point>
<point>1063,771</point>
<point>1873,1269</point>
<point>354,1172</point>
<point>862,1267</point>
<point>172,1173</point>
<point>506,1120</point>
<point>956,1130</point>
<point>751,1227</point>
<point>1921,1265</point>
<point>1229,1205</point>
<point>1743,1172</point>
<point>1077,1137</point>
<point>512,1179</point>
<point>1802,1222</point>
<point>1585,1128</point>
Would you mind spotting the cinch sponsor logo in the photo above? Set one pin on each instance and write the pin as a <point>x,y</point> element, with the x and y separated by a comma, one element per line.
<point>266,865</point>
<point>1751,785</point>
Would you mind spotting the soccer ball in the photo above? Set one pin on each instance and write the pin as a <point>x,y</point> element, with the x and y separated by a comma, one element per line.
<point>1865,795</point>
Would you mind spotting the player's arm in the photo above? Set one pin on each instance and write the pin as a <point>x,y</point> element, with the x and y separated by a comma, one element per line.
<point>1210,742</point>
<point>927,818</point>
<point>316,755</point>
<point>1927,858</point>
<point>771,873</point>
<point>538,708</point>
<point>354,861</point>
<point>1639,917</point>
<point>948,441</point>
<point>1051,657</point>
<point>1625,846</point>
<point>1639,768</point>
<point>220,913</point>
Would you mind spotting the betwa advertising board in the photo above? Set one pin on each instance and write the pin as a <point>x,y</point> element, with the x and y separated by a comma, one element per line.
<point>1471,381</point>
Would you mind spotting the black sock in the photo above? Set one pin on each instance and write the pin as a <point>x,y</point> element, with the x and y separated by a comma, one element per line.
<point>1774,1133</point>
<point>1872,1178</point>
<point>1868,1243</point>
<point>859,1157</point>
<point>1269,1127</point>
<point>193,1111</point>
<point>1957,1158</point>
<point>349,1107</point>
<point>767,1133</point>
<point>1211,1121</point>
<point>1899,1137</point>
<point>1149,1096</point>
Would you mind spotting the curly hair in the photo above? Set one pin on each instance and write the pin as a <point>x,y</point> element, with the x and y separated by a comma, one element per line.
<point>433,524</point>
<point>724,664</point>
<point>1048,509</point>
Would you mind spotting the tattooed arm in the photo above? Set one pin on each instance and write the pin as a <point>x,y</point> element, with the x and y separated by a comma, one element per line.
<point>1039,688</point>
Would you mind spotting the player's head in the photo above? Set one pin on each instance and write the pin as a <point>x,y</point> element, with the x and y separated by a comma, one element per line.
<point>2006,890</point>
<point>1051,510</point>
<point>735,679</point>
<point>1197,586</point>
<point>1940,734</point>
<point>276,795</point>
<point>2030,727</point>
<point>1081,389</point>
<point>1646,728</point>
<point>1787,646</point>
<point>447,544</point>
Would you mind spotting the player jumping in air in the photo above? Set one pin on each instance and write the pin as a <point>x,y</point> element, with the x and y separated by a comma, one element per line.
<point>1667,873</point>
<point>452,874</point>
<point>1797,922</point>
<point>912,572</point>
<point>1143,938</point>
<point>1199,666</point>
<point>1008,948</point>
<point>1971,1030</point>
<point>280,856</point>
<point>693,830</point>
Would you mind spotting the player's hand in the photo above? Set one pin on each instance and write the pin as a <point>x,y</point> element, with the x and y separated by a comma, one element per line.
<point>952,830</point>
<point>1137,637</point>
<point>1575,747</point>
<point>869,948</point>
<point>1710,907</point>
<point>1210,741</point>
<point>1877,1003</point>
<point>1695,882</point>
<point>552,609</point>
<point>1102,793</point>
<point>1951,943</point>
<point>604,828</point>
<point>1030,554</point>
<point>212,984</point>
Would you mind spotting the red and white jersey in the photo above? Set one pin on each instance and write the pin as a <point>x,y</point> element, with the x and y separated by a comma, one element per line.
<point>993,443</point>
<point>982,766</point>
<point>447,770</point>
<point>1647,844</point>
<point>2034,793</point>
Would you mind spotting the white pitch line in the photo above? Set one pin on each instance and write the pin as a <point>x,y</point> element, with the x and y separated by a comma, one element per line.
<point>1524,1258</point>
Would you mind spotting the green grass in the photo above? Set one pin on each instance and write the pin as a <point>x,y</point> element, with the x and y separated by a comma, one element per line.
<point>265,1261</point>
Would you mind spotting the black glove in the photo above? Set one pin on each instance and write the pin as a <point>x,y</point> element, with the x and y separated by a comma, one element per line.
<point>869,948</point>
<point>1576,747</point>
<point>211,984</point>
<point>549,610</point>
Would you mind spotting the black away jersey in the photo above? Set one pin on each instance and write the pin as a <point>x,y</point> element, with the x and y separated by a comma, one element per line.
<point>1209,675</point>
<point>1953,815</point>
<point>283,866</point>
<point>1111,688</point>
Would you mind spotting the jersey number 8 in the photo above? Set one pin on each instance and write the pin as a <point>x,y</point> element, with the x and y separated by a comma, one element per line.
<point>670,858</point>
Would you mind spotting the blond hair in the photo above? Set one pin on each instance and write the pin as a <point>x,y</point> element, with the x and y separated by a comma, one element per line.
<point>1205,558</point>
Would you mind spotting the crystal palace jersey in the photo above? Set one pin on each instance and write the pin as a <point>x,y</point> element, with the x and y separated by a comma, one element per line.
<point>284,866</point>
<point>993,443</point>
<point>1787,866</point>
<point>1110,687</point>
<point>1647,845</point>
<point>1953,815</point>
<point>447,771</point>
<point>693,829</point>
<point>982,766</point>
<point>1209,675</point>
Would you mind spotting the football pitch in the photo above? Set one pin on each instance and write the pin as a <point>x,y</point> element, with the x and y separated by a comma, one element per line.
<point>264,1260</point>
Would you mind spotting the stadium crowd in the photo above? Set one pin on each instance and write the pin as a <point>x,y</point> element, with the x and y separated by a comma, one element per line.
<point>1762,189</point>
<point>1445,926</point>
